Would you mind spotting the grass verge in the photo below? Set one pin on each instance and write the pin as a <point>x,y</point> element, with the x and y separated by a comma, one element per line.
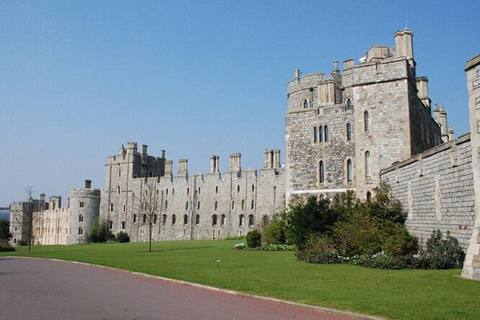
<point>396,294</point>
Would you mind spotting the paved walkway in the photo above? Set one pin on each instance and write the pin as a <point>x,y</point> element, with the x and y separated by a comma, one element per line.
<point>46,289</point>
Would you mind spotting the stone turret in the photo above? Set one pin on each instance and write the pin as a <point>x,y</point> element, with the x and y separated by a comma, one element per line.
<point>471,267</point>
<point>235,162</point>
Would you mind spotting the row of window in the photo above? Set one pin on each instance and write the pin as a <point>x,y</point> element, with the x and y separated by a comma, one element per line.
<point>349,169</point>
<point>305,104</point>
<point>321,133</point>
<point>251,220</point>
<point>215,206</point>
<point>173,191</point>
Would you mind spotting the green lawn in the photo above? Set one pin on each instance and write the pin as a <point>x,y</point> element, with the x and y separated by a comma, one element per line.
<point>406,294</point>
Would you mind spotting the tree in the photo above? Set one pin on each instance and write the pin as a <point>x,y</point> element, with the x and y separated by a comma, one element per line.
<point>100,232</point>
<point>305,218</point>
<point>5,234</point>
<point>149,207</point>
<point>27,218</point>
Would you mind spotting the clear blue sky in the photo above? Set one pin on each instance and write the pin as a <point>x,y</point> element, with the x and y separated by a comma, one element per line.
<point>196,78</point>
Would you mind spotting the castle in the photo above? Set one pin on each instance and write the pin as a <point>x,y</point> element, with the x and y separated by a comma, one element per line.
<point>350,130</point>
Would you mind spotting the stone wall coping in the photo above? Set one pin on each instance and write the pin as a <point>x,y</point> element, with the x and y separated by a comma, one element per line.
<point>473,62</point>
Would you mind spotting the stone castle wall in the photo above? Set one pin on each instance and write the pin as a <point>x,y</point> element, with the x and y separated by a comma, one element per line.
<point>436,189</point>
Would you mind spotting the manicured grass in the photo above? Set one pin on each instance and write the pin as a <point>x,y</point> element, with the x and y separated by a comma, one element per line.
<point>405,294</point>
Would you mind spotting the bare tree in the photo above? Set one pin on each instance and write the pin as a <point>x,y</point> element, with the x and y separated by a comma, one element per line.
<point>27,218</point>
<point>149,207</point>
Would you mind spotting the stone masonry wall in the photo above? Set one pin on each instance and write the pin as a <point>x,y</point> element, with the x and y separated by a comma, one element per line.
<point>436,188</point>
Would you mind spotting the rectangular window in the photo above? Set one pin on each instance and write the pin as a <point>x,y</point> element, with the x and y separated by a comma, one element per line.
<point>82,204</point>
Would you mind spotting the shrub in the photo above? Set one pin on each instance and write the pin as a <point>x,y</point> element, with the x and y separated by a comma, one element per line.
<point>275,232</point>
<point>123,237</point>
<point>100,232</point>
<point>234,238</point>
<point>5,246</point>
<point>240,246</point>
<point>441,253</point>
<point>254,239</point>
<point>278,247</point>
<point>319,249</point>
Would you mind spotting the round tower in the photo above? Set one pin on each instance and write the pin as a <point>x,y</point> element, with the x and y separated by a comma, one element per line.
<point>83,213</point>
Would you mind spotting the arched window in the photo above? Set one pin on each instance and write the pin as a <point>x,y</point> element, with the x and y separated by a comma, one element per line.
<point>367,164</point>
<point>197,219</point>
<point>366,121</point>
<point>111,206</point>
<point>214,220</point>
<point>174,219</point>
<point>251,221</point>
<point>134,218</point>
<point>238,188</point>
<point>241,220</point>
<point>188,190</point>
<point>80,231</point>
<point>164,219</point>
<point>123,225</point>
<point>222,220</point>
<point>315,135</point>
<point>349,170</point>
<point>320,131</point>
<point>185,219</point>
<point>154,218</point>
<point>253,205</point>
<point>348,105</point>
<point>243,204</point>
<point>369,196</point>
<point>305,104</point>
<point>216,189</point>
<point>253,188</point>
<point>80,218</point>
<point>321,172</point>
<point>326,134</point>
<point>349,132</point>
<point>110,224</point>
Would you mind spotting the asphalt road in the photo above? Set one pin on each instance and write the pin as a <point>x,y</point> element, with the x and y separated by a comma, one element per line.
<point>46,289</point>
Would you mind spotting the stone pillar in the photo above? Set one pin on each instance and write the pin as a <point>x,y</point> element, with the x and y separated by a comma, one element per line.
<point>168,167</point>
<point>235,162</point>
<point>182,167</point>
<point>276,158</point>
<point>471,267</point>
<point>268,159</point>
<point>214,160</point>
<point>404,45</point>
<point>422,87</point>
<point>443,124</point>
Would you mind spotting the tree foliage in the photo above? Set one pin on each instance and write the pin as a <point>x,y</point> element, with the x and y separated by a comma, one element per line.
<point>5,234</point>
<point>100,232</point>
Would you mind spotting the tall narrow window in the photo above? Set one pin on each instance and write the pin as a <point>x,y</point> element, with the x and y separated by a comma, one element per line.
<point>349,132</point>
<point>198,205</point>
<point>174,219</point>
<point>215,206</point>
<point>315,135</point>
<point>185,219</point>
<point>164,219</point>
<point>251,221</point>
<point>80,231</point>
<point>197,219</point>
<point>214,220</point>
<point>367,164</point>
<point>369,196</point>
<point>241,220</point>
<point>80,218</point>
<point>243,204</point>
<point>320,131</point>
<point>123,225</point>
<point>349,104</point>
<point>321,172</point>
<point>110,224</point>
<point>326,134</point>
<point>366,121</point>
<point>134,218</point>
<point>154,218</point>
<point>222,219</point>
<point>349,170</point>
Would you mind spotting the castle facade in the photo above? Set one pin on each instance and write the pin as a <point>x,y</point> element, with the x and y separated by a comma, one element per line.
<point>350,130</point>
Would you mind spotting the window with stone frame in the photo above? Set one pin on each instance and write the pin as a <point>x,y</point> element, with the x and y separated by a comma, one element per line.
<point>80,231</point>
<point>251,220</point>
<point>214,220</point>
<point>222,220</point>
<point>80,218</point>
<point>349,132</point>
<point>197,219</point>
<point>174,219</point>
<point>326,133</point>
<point>315,135</point>
<point>348,105</point>
<point>241,220</point>
<point>366,121</point>
<point>321,171</point>
<point>185,219</point>
<point>368,171</point>
<point>305,104</point>
<point>349,170</point>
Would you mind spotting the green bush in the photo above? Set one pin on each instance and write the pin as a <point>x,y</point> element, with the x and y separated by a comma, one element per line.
<point>123,237</point>
<point>100,232</point>
<point>319,249</point>
<point>278,247</point>
<point>234,238</point>
<point>5,246</point>
<point>275,232</point>
<point>254,239</point>
<point>441,253</point>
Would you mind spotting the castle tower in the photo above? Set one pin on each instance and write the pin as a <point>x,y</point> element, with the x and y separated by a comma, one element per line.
<point>83,213</point>
<point>471,267</point>
<point>342,129</point>
<point>118,200</point>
